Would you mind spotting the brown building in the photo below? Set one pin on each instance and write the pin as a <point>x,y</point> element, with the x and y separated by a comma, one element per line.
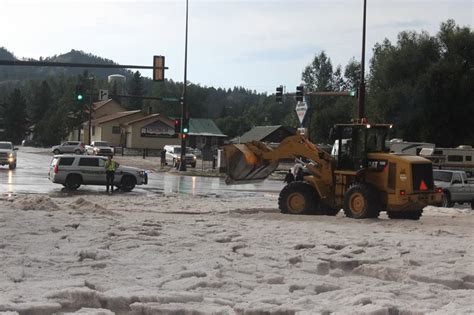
<point>110,128</point>
<point>151,131</point>
<point>139,130</point>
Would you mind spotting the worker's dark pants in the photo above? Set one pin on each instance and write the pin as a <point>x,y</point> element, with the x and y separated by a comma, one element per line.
<point>110,180</point>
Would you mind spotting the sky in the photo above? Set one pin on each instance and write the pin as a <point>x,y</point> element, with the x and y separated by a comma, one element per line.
<point>257,44</point>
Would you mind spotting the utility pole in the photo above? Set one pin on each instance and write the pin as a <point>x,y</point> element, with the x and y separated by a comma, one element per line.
<point>90,107</point>
<point>184,105</point>
<point>361,109</point>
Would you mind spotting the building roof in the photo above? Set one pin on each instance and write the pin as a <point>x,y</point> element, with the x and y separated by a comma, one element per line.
<point>258,133</point>
<point>148,117</point>
<point>98,105</point>
<point>114,116</point>
<point>204,127</point>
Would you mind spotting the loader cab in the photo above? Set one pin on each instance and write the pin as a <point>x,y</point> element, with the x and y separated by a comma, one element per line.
<point>354,141</point>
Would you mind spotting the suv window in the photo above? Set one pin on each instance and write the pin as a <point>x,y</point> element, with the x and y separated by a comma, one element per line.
<point>89,162</point>
<point>66,161</point>
<point>457,178</point>
<point>442,176</point>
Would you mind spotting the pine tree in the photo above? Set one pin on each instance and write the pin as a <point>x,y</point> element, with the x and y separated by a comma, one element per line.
<point>41,102</point>
<point>15,119</point>
<point>136,88</point>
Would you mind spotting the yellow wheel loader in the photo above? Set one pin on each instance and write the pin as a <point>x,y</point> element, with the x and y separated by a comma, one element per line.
<point>360,176</point>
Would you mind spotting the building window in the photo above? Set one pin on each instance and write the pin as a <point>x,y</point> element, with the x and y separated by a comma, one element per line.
<point>116,130</point>
<point>468,158</point>
<point>455,158</point>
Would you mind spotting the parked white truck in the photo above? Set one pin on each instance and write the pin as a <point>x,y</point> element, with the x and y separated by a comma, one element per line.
<point>99,148</point>
<point>457,188</point>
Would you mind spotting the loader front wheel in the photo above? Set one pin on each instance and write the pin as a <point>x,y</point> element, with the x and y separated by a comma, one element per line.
<point>298,198</point>
<point>361,202</point>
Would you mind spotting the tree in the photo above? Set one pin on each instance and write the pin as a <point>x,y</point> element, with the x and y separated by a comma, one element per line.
<point>423,85</point>
<point>14,117</point>
<point>136,88</point>
<point>325,111</point>
<point>42,99</point>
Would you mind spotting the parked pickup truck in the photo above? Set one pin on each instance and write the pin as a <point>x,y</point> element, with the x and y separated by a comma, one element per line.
<point>72,171</point>
<point>456,187</point>
<point>8,154</point>
<point>99,148</point>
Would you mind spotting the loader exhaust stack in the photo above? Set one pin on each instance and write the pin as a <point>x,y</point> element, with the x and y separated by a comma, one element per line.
<point>244,163</point>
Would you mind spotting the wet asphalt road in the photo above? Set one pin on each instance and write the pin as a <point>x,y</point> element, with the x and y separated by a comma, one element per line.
<point>31,177</point>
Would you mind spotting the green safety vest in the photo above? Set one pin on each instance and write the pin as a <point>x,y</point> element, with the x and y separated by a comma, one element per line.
<point>110,166</point>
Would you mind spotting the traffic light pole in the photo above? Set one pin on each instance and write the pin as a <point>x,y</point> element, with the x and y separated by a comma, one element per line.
<point>361,111</point>
<point>184,111</point>
<point>90,109</point>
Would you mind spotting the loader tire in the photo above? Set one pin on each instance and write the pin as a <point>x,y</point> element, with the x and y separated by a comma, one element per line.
<point>410,215</point>
<point>361,201</point>
<point>298,198</point>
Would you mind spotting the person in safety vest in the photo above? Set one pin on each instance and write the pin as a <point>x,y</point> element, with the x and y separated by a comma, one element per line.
<point>110,168</point>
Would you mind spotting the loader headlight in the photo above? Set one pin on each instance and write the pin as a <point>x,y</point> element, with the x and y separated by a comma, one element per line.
<point>194,157</point>
<point>10,159</point>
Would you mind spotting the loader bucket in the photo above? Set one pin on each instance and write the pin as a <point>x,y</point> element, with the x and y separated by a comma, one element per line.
<point>244,165</point>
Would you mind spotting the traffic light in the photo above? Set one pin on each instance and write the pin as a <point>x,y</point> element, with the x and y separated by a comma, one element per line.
<point>354,93</point>
<point>80,95</point>
<point>158,68</point>
<point>279,94</point>
<point>299,93</point>
<point>185,126</point>
<point>177,126</point>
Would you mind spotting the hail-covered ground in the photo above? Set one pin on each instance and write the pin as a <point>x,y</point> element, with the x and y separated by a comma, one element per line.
<point>180,254</point>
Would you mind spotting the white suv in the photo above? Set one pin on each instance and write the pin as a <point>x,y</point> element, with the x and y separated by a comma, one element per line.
<point>75,147</point>
<point>72,171</point>
<point>173,155</point>
<point>8,154</point>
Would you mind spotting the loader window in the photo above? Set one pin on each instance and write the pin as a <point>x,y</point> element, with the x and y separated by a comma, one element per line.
<point>375,141</point>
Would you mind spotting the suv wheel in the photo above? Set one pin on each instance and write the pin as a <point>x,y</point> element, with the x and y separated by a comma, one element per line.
<point>446,202</point>
<point>128,183</point>
<point>56,151</point>
<point>73,182</point>
<point>77,151</point>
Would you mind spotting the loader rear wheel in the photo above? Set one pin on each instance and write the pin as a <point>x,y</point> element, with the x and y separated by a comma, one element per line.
<point>410,215</point>
<point>298,198</point>
<point>361,202</point>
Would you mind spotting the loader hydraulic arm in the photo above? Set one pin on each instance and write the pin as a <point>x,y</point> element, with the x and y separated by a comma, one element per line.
<point>256,161</point>
<point>298,146</point>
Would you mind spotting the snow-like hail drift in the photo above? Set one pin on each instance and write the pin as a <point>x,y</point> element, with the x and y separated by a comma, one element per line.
<point>175,254</point>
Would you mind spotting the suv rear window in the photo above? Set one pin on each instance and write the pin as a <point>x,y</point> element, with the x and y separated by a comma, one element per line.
<point>66,161</point>
<point>89,162</point>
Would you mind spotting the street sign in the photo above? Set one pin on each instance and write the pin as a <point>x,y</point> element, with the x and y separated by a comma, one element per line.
<point>301,108</point>
<point>103,95</point>
<point>169,99</point>
<point>303,131</point>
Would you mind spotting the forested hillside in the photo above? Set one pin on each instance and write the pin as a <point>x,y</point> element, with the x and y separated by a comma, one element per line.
<point>422,83</point>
